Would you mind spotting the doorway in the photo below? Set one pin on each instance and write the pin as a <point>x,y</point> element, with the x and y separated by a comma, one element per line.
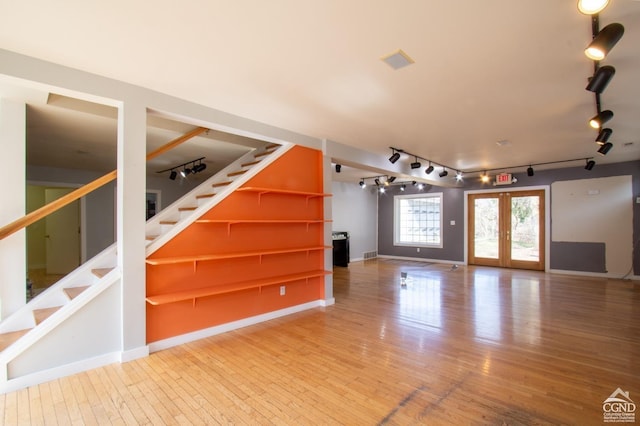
<point>54,244</point>
<point>507,229</point>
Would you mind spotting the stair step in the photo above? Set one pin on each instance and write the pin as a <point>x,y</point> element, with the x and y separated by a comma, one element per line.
<point>7,339</point>
<point>73,292</point>
<point>262,154</point>
<point>252,163</point>
<point>272,146</point>
<point>186,209</point>
<point>42,314</point>
<point>238,173</point>
<point>168,222</point>
<point>199,197</point>
<point>151,237</point>
<point>216,185</point>
<point>101,272</point>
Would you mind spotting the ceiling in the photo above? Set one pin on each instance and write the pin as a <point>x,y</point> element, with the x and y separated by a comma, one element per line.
<point>496,83</point>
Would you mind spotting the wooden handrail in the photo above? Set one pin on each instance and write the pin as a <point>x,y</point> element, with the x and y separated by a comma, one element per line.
<point>69,198</point>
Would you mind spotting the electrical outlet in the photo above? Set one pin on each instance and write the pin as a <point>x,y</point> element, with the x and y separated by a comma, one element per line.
<point>283,290</point>
<point>418,249</point>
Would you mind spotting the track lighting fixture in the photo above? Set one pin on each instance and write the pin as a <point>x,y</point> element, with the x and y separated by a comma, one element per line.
<point>458,176</point>
<point>484,178</point>
<point>195,168</point>
<point>382,189</point>
<point>599,119</point>
<point>394,157</point>
<point>377,181</point>
<point>403,187</point>
<point>604,41</point>
<point>416,164</point>
<point>530,171</point>
<point>603,136</point>
<point>414,183</point>
<point>429,169</point>
<point>591,7</point>
<point>601,79</point>
<point>605,148</point>
<point>362,184</point>
<point>443,173</point>
<point>338,168</point>
<point>391,179</point>
<point>589,165</point>
<point>420,186</point>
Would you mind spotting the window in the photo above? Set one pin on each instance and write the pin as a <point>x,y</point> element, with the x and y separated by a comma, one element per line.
<point>418,220</point>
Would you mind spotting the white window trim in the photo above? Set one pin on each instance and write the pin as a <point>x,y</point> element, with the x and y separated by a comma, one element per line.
<point>396,221</point>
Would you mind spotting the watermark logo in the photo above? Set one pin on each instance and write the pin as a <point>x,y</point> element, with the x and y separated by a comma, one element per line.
<point>619,408</point>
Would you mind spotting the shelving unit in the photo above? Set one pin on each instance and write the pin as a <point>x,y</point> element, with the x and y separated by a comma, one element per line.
<point>254,238</point>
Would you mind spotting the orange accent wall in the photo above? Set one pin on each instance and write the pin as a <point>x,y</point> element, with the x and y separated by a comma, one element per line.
<point>300,169</point>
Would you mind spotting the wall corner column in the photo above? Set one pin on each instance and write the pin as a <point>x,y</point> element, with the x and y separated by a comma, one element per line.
<point>328,241</point>
<point>13,276</point>
<point>130,214</point>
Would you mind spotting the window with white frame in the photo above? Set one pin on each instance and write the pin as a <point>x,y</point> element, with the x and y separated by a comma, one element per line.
<point>418,220</point>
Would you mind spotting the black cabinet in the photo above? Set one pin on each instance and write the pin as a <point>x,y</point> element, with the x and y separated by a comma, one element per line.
<point>340,248</point>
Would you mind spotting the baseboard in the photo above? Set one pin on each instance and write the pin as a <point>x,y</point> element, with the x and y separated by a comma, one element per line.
<point>39,377</point>
<point>593,274</point>
<point>328,302</point>
<point>234,325</point>
<point>131,354</point>
<point>421,259</point>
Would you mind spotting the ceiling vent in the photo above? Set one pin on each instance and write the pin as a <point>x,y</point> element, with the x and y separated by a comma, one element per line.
<point>398,60</point>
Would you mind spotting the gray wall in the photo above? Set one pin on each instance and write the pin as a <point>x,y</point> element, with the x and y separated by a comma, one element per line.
<point>453,249</point>
<point>355,211</point>
<point>99,205</point>
<point>452,235</point>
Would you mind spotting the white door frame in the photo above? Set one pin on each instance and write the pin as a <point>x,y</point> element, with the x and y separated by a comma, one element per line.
<point>506,188</point>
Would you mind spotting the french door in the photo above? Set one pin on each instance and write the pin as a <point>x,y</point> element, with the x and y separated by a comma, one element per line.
<point>506,229</point>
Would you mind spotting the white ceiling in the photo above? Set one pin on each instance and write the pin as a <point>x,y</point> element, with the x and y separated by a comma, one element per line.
<point>496,70</point>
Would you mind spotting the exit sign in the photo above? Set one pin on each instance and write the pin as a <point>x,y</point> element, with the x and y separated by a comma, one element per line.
<point>504,179</point>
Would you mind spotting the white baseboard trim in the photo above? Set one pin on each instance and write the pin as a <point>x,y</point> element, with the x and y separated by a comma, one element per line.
<point>421,259</point>
<point>39,377</point>
<point>131,354</point>
<point>234,325</point>
<point>357,259</point>
<point>328,302</point>
<point>593,274</point>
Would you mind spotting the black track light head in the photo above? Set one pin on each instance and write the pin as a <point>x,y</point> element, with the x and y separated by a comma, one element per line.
<point>391,179</point>
<point>416,165</point>
<point>601,79</point>
<point>394,157</point>
<point>589,165</point>
<point>530,171</point>
<point>602,44</point>
<point>173,175</point>
<point>443,173</point>
<point>605,148</point>
<point>377,181</point>
<point>603,136</point>
<point>599,119</point>
<point>338,168</point>
<point>429,169</point>
<point>362,184</point>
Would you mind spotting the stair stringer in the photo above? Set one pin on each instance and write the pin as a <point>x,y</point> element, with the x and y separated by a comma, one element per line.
<point>172,213</point>
<point>39,355</point>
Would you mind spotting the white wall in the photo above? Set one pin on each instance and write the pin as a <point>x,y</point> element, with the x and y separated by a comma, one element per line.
<point>596,210</point>
<point>355,210</point>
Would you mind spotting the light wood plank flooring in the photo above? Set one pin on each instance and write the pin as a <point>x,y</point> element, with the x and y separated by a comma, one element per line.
<point>472,345</point>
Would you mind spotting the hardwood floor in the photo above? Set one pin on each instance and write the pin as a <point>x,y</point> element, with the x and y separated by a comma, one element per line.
<point>471,345</point>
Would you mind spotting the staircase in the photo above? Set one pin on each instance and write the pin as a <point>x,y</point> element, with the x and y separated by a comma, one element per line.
<point>30,325</point>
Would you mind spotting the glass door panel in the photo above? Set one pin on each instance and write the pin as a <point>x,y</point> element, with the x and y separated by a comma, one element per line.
<point>525,228</point>
<point>486,228</point>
